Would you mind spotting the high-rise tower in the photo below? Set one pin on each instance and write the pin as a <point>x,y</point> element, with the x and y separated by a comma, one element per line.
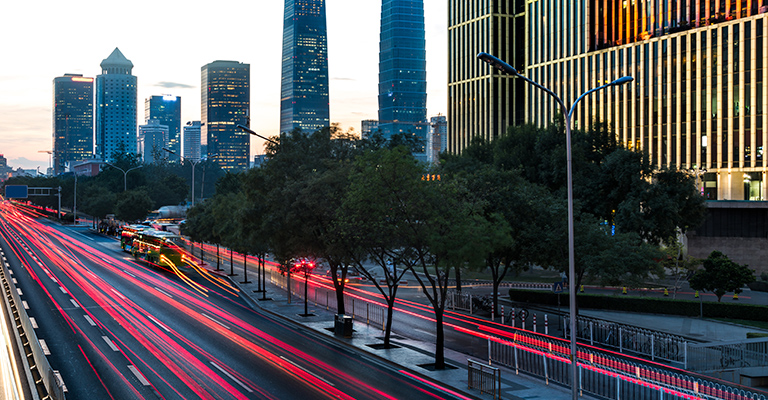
<point>304,86</point>
<point>402,71</point>
<point>72,120</point>
<point>167,110</point>
<point>226,103</point>
<point>115,106</point>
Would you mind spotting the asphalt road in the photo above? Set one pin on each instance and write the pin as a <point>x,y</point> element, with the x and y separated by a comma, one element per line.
<point>120,329</point>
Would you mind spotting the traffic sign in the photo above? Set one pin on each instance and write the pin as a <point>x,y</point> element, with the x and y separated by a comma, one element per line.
<point>557,287</point>
<point>16,191</point>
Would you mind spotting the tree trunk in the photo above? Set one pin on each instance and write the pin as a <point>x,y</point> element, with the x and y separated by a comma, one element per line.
<point>388,329</point>
<point>458,279</point>
<point>340,297</point>
<point>440,340</point>
<point>231,264</point>
<point>245,268</point>
<point>306,289</point>
<point>218,258</point>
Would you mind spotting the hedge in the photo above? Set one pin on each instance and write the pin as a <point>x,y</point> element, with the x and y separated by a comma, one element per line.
<point>758,286</point>
<point>652,305</point>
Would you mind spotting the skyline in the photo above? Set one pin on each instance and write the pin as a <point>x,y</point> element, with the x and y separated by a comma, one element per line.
<point>169,42</point>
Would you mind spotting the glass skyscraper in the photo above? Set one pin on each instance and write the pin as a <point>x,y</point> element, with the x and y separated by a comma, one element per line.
<point>115,106</point>
<point>402,71</point>
<point>225,96</point>
<point>167,110</point>
<point>72,120</point>
<point>304,85</point>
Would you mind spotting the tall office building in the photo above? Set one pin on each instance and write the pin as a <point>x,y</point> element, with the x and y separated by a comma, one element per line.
<point>167,110</point>
<point>402,71</point>
<point>225,104</point>
<point>481,101</point>
<point>304,86</point>
<point>368,127</point>
<point>192,140</point>
<point>115,106</point>
<point>72,120</point>
<point>437,140</point>
<point>152,138</point>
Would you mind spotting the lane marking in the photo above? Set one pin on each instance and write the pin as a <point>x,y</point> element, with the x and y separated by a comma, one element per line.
<point>18,290</point>
<point>119,294</point>
<point>14,281</point>
<point>232,377</point>
<point>306,370</point>
<point>129,274</point>
<point>24,303</point>
<point>161,291</point>
<point>74,303</point>
<point>61,381</point>
<point>214,320</point>
<point>138,375</point>
<point>158,323</point>
<point>33,322</point>
<point>90,321</point>
<point>110,343</point>
<point>63,290</point>
<point>44,346</point>
<point>53,279</point>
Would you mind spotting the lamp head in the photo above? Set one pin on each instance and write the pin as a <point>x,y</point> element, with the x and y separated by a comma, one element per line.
<point>622,80</point>
<point>498,64</point>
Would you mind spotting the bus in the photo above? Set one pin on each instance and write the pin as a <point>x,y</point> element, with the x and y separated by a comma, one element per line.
<point>158,248</point>
<point>127,235</point>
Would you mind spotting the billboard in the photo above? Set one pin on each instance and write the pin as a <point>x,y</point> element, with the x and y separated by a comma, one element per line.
<point>16,191</point>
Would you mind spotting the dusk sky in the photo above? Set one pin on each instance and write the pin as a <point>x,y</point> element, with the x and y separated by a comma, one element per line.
<point>168,42</point>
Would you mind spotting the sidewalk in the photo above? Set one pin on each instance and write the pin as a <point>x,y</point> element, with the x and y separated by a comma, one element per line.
<point>409,356</point>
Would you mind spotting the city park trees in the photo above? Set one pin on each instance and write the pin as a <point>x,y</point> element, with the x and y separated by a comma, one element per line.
<point>497,207</point>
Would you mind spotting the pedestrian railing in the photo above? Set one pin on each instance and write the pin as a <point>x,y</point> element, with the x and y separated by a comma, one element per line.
<point>631,339</point>
<point>485,378</point>
<point>719,356</point>
<point>606,375</point>
<point>455,300</point>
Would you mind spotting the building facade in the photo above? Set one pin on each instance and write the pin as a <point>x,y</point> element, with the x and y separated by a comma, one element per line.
<point>72,120</point>
<point>402,71</point>
<point>368,127</point>
<point>167,110</point>
<point>116,98</point>
<point>192,140</point>
<point>304,100</point>
<point>482,102</point>
<point>437,140</point>
<point>151,140</point>
<point>225,99</point>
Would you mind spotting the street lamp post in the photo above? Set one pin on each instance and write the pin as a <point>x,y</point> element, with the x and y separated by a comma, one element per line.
<point>567,113</point>
<point>125,174</point>
<point>193,163</point>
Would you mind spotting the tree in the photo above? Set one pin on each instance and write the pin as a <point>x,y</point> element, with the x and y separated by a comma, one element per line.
<point>133,205</point>
<point>721,275</point>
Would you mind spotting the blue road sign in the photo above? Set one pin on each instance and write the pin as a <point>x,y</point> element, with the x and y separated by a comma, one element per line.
<point>16,192</point>
<point>557,287</point>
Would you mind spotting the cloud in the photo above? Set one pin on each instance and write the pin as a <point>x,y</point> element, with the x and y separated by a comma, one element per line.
<point>343,79</point>
<point>174,85</point>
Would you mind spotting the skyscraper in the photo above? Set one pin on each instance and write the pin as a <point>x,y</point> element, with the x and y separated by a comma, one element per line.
<point>167,110</point>
<point>72,120</point>
<point>192,140</point>
<point>402,71</point>
<point>481,101</point>
<point>151,140</point>
<point>304,85</point>
<point>437,141</point>
<point>115,106</point>
<point>225,99</point>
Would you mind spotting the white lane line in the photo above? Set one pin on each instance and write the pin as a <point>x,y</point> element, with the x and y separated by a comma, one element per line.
<point>63,290</point>
<point>9,271</point>
<point>424,332</point>
<point>138,375</point>
<point>119,294</point>
<point>14,281</point>
<point>90,321</point>
<point>24,303</point>
<point>161,291</point>
<point>18,290</point>
<point>61,381</point>
<point>159,324</point>
<point>232,377</point>
<point>78,233</point>
<point>214,320</point>
<point>44,346</point>
<point>53,279</point>
<point>110,343</point>
<point>305,370</point>
<point>33,322</point>
<point>129,274</point>
<point>74,303</point>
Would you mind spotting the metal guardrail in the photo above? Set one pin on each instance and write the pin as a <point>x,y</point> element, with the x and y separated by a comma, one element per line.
<point>483,377</point>
<point>631,339</point>
<point>605,375</point>
<point>38,364</point>
<point>721,356</point>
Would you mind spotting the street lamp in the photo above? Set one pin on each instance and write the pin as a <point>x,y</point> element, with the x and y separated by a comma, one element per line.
<point>193,163</point>
<point>125,174</point>
<point>567,113</point>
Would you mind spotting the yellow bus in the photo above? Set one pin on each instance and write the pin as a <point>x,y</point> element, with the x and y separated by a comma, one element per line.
<point>127,235</point>
<point>158,248</point>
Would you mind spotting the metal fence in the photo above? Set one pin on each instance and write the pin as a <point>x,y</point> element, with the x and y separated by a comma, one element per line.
<point>720,356</point>
<point>484,378</point>
<point>458,301</point>
<point>631,339</point>
<point>603,374</point>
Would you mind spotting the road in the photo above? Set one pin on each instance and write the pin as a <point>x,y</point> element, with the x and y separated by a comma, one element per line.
<point>119,329</point>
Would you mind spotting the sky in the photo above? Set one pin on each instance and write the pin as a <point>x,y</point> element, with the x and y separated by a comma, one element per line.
<point>169,40</point>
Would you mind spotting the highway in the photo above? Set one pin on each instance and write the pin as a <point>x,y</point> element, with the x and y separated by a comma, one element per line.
<point>117,329</point>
